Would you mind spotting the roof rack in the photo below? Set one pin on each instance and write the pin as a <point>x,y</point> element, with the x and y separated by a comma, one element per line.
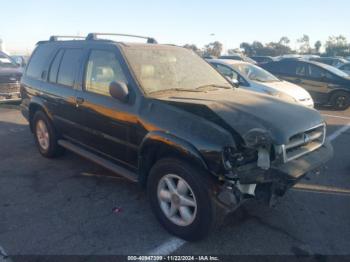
<point>57,37</point>
<point>94,36</point>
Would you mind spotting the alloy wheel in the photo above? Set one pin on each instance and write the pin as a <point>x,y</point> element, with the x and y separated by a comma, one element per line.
<point>42,135</point>
<point>177,200</point>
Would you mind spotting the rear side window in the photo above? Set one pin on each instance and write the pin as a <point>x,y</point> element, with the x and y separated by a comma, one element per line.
<point>54,66</point>
<point>69,66</point>
<point>273,67</point>
<point>345,67</point>
<point>38,61</point>
<point>288,67</point>
<point>300,70</point>
<point>316,72</point>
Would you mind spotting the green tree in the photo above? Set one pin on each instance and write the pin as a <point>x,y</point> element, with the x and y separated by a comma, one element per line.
<point>192,47</point>
<point>248,49</point>
<point>284,41</point>
<point>233,51</point>
<point>318,45</point>
<point>270,49</point>
<point>213,49</point>
<point>337,46</point>
<point>304,42</point>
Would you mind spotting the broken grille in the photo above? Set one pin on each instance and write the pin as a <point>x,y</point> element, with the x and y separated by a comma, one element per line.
<point>304,143</point>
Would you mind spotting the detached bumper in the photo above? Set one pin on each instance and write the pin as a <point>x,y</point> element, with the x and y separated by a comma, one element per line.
<point>291,171</point>
<point>272,183</point>
<point>297,168</point>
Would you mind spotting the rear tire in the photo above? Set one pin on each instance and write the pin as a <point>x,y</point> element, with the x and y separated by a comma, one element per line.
<point>340,100</point>
<point>185,208</point>
<point>45,136</point>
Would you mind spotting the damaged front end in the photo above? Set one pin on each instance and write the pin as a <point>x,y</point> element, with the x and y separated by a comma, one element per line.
<point>265,171</point>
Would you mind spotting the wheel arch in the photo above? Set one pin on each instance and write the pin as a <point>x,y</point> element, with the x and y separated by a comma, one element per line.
<point>335,91</point>
<point>157,145</point>
<point>34,106</point>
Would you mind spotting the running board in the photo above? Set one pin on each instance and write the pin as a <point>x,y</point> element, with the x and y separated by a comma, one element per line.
<point>99,160</point>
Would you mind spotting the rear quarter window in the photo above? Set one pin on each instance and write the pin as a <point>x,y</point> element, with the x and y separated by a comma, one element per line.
<point>39,60</point>
<point>69,66</point>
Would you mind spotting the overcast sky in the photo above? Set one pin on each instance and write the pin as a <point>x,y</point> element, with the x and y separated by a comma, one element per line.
<point>23,23</point>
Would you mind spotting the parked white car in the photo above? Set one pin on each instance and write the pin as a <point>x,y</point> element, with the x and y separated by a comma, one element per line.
<point>256,79</point>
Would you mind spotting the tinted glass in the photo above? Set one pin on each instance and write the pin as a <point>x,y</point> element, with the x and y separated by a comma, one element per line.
<point>345,67</point>
<point>69,66</point>
<point>335,71</point>
<point>285,67</point>
<point>262,59</point>
<point>102,69</point>
<point>38,61</point>
<point>233,57</point>
<point>272,67</point>
<point>255,73</point>
<point>316,72</point>
<point>6,61</point>
<point>226,71</point>
<point>300,70</point>
<point>54,67</point>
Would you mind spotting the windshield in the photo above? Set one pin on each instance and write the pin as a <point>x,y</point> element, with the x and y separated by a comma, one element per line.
<point>335,71</point>
<point>164,68</point>
<point>255,73</point>
<point>6,61</point>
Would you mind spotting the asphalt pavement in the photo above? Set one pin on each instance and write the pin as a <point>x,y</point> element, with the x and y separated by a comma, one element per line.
<point>69,206</point>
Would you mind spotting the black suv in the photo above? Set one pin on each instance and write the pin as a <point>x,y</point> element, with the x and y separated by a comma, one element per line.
<point>10,75</point>
<point>162,116</point>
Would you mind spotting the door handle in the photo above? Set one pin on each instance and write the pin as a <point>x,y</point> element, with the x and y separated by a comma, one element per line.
<point>79,101</point>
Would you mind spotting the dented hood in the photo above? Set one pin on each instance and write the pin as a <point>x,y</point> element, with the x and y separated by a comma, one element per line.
<point>245,110</point>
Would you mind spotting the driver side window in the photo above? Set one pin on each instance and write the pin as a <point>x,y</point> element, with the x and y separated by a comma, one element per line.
<point>227,71</point>
<point>316,72</point>
<point>102,69</point>
<point>300,70</point>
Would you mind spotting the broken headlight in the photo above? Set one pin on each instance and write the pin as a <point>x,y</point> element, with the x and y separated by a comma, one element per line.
<point>256,149</point>
<point>256,138</point>
<point>234,158</point>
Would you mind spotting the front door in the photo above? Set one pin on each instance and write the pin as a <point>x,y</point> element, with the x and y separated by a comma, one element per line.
<point>105,120</point>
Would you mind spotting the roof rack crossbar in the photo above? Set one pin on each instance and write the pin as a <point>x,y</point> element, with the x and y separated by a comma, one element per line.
<point>56,37</point>
<point>94,36</point>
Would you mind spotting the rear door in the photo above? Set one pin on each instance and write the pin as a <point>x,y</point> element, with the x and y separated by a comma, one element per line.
<point>317,82</point>
<point>62,78</point>
<point>107,122</point>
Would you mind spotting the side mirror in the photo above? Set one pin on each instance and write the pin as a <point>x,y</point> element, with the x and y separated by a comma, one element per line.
<point>119,90</point>
<point>235,82</point>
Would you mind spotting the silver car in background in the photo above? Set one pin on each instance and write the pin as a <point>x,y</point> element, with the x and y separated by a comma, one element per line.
<point>256,79</point>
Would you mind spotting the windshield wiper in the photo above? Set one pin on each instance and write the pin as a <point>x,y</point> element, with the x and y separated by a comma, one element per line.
<point>174,89</point>
<point>212,85</point>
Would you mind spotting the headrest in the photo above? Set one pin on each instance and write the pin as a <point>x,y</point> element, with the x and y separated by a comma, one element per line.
<point>147,71</point>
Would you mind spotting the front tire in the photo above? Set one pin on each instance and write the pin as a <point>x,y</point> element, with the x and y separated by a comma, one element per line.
<point>45,136</point>
<point>180,198</point>
<point>340,100</point>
